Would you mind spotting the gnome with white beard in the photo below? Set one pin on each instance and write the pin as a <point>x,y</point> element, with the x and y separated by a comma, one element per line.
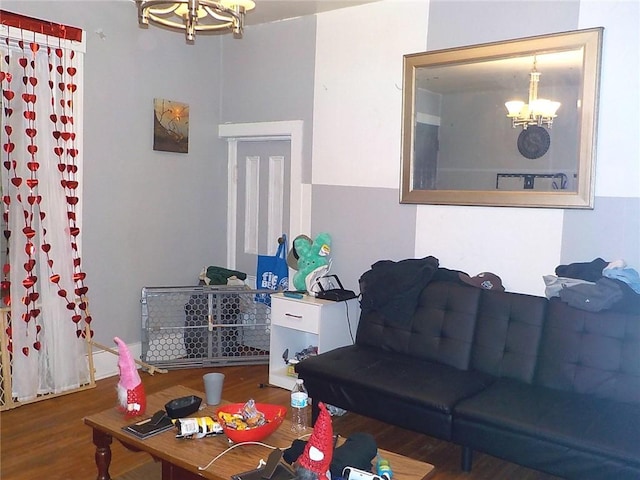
<point>132,401</point>
<point>315,461</point>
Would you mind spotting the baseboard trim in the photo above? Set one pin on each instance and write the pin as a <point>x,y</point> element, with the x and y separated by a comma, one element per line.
<point>105,364</point>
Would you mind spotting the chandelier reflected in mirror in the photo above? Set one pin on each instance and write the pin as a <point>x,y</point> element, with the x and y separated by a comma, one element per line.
<point>539,111</point>
<point>195,15</point>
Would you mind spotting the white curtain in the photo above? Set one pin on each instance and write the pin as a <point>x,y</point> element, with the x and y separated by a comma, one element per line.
<point>41,80</point>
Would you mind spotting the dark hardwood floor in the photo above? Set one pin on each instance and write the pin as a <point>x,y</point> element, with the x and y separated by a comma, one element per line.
<point>48,439</point>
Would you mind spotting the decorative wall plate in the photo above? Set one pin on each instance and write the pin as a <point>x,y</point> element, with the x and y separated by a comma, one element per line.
<point>533,142</point>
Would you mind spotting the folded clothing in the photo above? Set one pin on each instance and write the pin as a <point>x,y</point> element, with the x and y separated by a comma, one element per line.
<point>593,297</point>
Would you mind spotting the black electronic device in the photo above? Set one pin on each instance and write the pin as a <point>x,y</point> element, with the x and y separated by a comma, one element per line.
<point>274,469</point>
<point>158,423</point>
<point>183,407</point>
<point>330,288</point>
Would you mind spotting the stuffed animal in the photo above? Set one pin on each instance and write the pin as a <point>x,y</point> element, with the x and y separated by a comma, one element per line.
<point>311,257</point>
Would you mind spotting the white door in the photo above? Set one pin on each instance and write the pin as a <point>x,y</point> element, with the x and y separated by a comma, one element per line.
<point>263,174</point>
<point>266,194</point>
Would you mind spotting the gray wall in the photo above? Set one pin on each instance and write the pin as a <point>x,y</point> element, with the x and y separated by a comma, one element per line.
<point>150,218</point>
<point>153,218</point>
<point>268,76</point>
<point>585,234</point>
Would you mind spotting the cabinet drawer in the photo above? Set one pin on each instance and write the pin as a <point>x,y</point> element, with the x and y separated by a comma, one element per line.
<point>297,315</point>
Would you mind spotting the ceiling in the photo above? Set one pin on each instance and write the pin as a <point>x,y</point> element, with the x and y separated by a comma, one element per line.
<point>268,11</point>
<point>557,68</point>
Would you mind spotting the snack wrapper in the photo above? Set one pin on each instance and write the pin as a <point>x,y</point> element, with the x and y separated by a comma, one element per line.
<point>197,427</point>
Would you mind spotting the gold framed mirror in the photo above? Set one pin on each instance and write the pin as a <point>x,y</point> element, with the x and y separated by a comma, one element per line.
<point>508,123</point>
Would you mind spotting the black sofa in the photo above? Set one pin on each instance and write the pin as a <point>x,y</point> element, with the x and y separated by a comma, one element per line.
<point>520,377</point>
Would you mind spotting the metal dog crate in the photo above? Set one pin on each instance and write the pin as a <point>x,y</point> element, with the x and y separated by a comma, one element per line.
<point>204,325</point>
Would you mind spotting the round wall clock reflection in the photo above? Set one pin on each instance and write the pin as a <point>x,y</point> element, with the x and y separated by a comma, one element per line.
<point>533,142</point>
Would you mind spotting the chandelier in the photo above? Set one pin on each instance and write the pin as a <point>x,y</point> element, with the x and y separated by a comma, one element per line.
<point>539,111</point>
<point>195,15</point>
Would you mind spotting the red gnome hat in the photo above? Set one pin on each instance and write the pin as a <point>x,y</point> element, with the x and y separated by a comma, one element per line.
<point>131,397</point>
<point>318,451</point>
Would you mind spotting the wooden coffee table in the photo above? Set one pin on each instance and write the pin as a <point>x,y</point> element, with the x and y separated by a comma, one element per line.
<point>182,458</point>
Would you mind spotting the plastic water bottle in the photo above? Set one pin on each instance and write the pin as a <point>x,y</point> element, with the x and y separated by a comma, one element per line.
<point>299,407</point>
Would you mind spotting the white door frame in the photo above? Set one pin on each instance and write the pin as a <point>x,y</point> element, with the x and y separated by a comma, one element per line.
<point>300,194</point>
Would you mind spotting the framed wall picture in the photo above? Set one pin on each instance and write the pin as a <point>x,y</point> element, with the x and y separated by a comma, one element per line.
<point>170,126</point>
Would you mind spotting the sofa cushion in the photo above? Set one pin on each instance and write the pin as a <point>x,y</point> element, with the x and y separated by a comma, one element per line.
<point>565,425</point>
<point>592,353</point>
<point>441,328</point>
<point>508,334</point>
<point>409,392</point>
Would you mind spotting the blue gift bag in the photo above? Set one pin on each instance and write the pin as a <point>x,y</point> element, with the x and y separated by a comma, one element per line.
<point>273,272</point>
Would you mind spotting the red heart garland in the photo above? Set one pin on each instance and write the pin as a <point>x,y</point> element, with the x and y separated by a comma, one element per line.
<point>29,232</point>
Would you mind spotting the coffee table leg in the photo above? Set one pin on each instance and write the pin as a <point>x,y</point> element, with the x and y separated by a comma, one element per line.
<point>102,441</point>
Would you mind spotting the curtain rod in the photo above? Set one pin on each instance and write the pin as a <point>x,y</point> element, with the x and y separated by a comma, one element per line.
<point>44,27</point>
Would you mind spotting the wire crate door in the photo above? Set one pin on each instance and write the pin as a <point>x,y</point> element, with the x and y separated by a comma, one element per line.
<point>201,326</point>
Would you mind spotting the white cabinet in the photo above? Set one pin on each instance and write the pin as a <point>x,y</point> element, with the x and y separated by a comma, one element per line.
<point>298,323</point>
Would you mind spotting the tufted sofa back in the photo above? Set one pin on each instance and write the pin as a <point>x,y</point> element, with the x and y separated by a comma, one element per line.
<point>594,353</point>
<point>523,337</point>
<point>441,328</point>
<point>508,332</point>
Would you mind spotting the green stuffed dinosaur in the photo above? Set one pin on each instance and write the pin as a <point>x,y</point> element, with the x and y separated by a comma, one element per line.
<point>311,256</point>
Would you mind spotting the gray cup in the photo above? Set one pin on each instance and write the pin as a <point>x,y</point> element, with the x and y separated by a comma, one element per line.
<point>213,387</point>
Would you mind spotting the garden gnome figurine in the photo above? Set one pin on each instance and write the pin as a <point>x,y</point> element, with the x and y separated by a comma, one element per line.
<point>315,460</point>
<point>132,400</point>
